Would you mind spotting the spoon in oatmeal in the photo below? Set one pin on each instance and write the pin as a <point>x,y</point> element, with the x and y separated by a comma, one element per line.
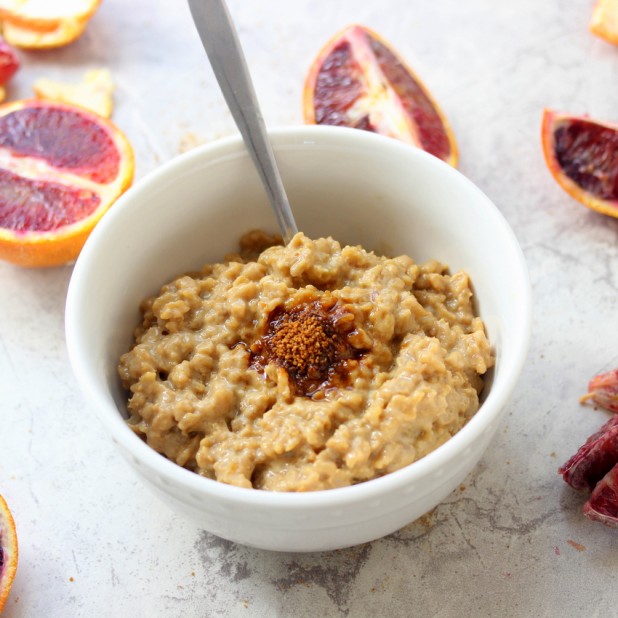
<point>220,40</point>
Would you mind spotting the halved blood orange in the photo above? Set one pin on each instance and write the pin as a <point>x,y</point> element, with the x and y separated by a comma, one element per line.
<point>582,156</point>
<point>604,22</point>
<point>8,552</point>
<point>61,168</point>
<point>358,81</point>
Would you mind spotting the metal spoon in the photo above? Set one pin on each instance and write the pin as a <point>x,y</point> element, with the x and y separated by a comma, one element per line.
<point>220,40</point>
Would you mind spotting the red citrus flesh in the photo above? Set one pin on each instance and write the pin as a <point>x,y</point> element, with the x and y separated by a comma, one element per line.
<point>358,81</point>
<point>25,204</point>
<point>588,154</point>
<point>582,156</point>
<point>9,63</point>
<point>61,168</point>
<point>64,138</point>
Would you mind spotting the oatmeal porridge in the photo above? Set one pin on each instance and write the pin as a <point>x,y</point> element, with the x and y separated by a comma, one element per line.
<point>305,367</point>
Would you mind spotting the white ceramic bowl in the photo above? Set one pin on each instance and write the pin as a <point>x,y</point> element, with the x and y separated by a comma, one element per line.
<point>359,188</point>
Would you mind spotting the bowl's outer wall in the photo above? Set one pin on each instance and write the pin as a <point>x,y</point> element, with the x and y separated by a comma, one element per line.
<point>360,189</point>
<point>320,528</point>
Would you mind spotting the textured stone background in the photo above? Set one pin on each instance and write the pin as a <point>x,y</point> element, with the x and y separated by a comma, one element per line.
<point>511,541</point>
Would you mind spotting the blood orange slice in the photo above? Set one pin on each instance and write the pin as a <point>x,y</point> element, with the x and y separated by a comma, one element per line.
<point>358,81</point>
<point>61,168</point>
<point>582,156</point>
<point>8,552</point>
<point>604,22</point>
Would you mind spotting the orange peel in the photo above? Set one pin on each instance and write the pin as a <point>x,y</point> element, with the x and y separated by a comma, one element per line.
<point>45,24</point>
<point>46,15</point>
<point>93,93</point>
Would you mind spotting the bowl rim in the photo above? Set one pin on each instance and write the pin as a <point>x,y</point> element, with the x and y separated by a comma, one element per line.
<point>283,137</point>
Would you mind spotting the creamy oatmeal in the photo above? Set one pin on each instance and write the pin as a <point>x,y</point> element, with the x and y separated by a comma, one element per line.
<point>308,367</point>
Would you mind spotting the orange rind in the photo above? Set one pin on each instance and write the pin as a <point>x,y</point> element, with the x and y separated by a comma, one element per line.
<point>61,168</point>
<point>358,80</point>
<point>8,552</point>
<point>93,93</point>
<point>46,15</point>
<point>582,156</point>
<point>45,24</point>
<point>66,32</point>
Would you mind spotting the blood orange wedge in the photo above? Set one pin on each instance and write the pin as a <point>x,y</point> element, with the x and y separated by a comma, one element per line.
<point>582,156</point>
<point>8,552</point>
<point>61,168</point>
<point>358,81</point>
<point>604,22</point>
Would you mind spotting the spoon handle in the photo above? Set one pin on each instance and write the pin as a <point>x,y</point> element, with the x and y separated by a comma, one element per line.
<point>216,29</point>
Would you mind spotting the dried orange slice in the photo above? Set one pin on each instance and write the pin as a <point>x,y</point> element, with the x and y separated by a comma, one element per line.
<point>604,22</point>
<point>582,156</point>
<point>93,93</point>
<point>61,168</point>
<point>46,15</point>
<point>358,81</point>
<point>8,552</point>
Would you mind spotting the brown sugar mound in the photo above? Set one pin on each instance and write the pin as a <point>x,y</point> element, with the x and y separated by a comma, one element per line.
<point>310,341</point>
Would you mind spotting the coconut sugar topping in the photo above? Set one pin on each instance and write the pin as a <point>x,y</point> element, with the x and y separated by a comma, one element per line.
<point>309,341</point>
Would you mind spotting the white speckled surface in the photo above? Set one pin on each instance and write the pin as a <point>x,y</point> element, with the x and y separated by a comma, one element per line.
<point>512,542</point>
